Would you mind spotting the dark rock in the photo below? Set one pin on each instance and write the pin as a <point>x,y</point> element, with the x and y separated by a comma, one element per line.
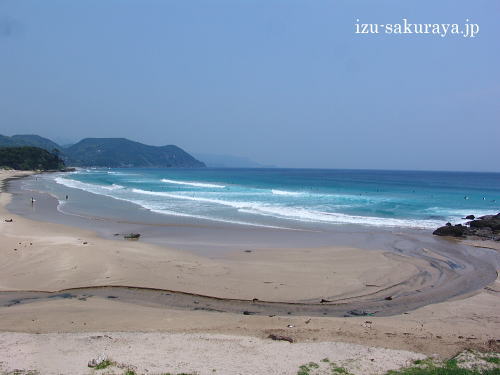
<point>482,232</point>
<point>486,227</point>
<point>280,338</point>
<point>486,217</point>
<point>448,230</point>
<point>388,298</point>
<point>249,313</point>
<point>324,300</point>
<point>8,220</point>
<point>470,217</point>
<point>489,221</point>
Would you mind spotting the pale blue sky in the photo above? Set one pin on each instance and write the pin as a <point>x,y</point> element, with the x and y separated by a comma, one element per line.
<point>281,82</point>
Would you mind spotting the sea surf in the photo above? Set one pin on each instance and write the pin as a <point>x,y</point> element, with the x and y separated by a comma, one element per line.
<point>289,198</point>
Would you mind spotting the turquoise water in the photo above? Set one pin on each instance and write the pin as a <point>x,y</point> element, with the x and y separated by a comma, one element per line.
<point>291,197</point>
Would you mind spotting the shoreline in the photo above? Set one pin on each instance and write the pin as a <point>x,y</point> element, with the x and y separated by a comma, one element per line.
<point>202,235</point>
<point>416,284</point>
<point>53,257</point>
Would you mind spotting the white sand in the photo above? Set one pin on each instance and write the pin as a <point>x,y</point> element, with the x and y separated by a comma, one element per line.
<point>189,353</point>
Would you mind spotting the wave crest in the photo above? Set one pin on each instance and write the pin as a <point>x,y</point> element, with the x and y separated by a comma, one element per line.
<point>192,183</point>
<point>287,193</point>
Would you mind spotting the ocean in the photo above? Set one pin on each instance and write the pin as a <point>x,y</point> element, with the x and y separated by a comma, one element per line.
<point>289,198</point>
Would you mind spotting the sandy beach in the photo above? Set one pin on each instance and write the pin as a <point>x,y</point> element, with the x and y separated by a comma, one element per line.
<point>39,257</point>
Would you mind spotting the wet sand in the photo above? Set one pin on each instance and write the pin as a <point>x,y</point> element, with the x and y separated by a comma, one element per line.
<point>402,271</point>
<point>260,291</point>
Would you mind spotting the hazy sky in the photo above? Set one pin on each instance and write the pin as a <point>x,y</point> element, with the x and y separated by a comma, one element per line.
<point>282,82</point>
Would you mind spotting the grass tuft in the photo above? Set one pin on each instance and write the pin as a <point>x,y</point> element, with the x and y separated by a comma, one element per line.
<point>494,360</point>
<point>104,364</point>
<point>450,367</point>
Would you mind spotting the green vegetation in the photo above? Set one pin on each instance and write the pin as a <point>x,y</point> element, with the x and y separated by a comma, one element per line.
<point>495,360</point>
<point>340,370</point>
<point>450,367</point>
<point>104,364</point>
<point>326,367</point>
<point>29,158</point>
<point>443,371</point>
<point>466,363</point>
<point>303,370</point>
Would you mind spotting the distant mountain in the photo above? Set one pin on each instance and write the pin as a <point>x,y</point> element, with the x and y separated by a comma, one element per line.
<point>121,152</point>
<point>6,141</point>
<point>29,158</point>
<point>228,161</point>
<point>28,140</point>
<point>109,152</point>
<point>36,141</point>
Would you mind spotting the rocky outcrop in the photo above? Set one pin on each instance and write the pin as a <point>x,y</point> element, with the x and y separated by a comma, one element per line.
<point>488,221</point>
<point>485,227</point>
<point>132,236</point>
<point>451,230</point>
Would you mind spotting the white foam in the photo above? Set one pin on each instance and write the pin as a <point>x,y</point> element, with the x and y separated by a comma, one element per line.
<point>95,189</point>
<point>301,214</point>
<point>122,173</point>
<point>113,187</point>
<point>315,216</point>
<point>288,193</point>
<point>193,183</point>
<point>279,211</point>
<point>181,214</point>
